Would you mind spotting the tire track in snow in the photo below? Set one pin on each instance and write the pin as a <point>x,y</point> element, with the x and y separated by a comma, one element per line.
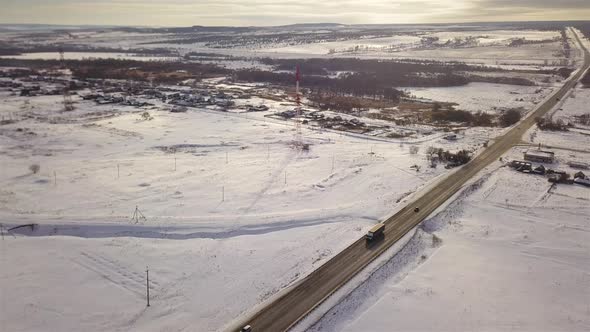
<point>115,272</point>
<point>271,180</point>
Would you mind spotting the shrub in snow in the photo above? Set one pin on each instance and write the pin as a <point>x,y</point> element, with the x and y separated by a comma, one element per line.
<point>551,125</point>
<point>35,168</point>
<point>584,119</point>
<point>146,116</point>
<point>436,241</point>
<point>510,117</point>
<point>414,149</point>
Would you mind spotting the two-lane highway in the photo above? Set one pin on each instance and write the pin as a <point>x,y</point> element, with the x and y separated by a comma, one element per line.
<point>302,297</point>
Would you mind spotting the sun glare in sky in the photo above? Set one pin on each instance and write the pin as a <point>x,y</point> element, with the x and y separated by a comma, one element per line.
<point>274,12</point>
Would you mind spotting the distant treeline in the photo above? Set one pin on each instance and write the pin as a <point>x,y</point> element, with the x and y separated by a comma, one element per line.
<point>360,84</point>
<point>370,77</point>
<point>501,80</point>
<point>396,68</point>
<point>585,28</point>
<point>523,41</point>
<point>158,71</point>
<point>7,49</point>
<point>357,77</point>
<point>230,40</point>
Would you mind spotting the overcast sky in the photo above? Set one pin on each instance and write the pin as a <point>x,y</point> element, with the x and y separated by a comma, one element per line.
<point>277,12</point>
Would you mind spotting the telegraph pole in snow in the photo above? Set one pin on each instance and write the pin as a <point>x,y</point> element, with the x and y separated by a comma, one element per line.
<point>332,163</point>
<point>147,284</point>
<point>298,142</point>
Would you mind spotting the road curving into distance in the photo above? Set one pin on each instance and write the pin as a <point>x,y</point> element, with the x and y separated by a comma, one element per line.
<point>295,302</point>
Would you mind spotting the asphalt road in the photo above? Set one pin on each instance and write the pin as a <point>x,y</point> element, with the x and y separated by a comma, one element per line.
<point>305,295</point>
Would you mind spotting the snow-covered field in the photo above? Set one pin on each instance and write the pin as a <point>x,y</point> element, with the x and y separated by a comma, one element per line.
<point>511,254</point>
<point>235,213</point>
<point>489,45</point>
<point>487,97</point>
<point>575,138</point>
<point>535,54</point>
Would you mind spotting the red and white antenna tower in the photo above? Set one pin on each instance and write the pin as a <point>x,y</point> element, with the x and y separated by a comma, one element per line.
<point>68,104</point>
<point>297,109</point>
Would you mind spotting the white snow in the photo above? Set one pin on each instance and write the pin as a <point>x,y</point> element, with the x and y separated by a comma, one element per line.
<point>513,256</point>
<point>236,214</point>
<point>576,104</point>
<point>210,258</point>
<point>487,97</point>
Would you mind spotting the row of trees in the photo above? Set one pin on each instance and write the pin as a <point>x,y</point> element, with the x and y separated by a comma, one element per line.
<point>358,84</point>
<point>460,157</point>
<point>391,68</point>
<point>479,119</point>
<point>510,117</point>
<point>549,124</point>
<point>583,119</point>
<point>9,49</point>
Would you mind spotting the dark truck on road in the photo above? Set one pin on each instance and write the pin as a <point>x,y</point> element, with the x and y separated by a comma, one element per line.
<point>375,232</point>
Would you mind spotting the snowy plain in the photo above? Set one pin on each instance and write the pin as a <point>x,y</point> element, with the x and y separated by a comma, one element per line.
<point>487,97</point>
<point>510,254</point>
<point>234,213</point>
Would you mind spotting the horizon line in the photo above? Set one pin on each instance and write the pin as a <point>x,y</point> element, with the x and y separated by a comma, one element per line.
<point>285,25</point>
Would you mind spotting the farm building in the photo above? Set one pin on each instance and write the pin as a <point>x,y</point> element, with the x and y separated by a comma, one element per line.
<point>578,165</point>
<point>539,156</point>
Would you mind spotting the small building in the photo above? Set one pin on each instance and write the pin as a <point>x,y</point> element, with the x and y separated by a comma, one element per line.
<point>578,165</point>
<point>539,156</point>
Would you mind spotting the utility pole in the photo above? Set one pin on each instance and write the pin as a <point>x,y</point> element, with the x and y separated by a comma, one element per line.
<point>147,284</point>
<point>298,142</point>
<point>138,215</point>
<point>67,99</point>
<point>332,163</point>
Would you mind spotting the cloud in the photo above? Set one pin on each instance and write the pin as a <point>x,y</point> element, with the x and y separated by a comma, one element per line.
<point>275,12</point>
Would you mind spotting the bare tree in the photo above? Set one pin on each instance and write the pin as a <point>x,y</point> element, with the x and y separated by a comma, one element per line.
<point>35,168</point>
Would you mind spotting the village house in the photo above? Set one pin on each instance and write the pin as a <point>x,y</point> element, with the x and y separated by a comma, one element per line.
<point>539,156</point>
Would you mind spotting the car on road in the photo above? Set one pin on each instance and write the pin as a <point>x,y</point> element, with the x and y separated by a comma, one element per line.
<point>246,328</point>
<point>417,209</point>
